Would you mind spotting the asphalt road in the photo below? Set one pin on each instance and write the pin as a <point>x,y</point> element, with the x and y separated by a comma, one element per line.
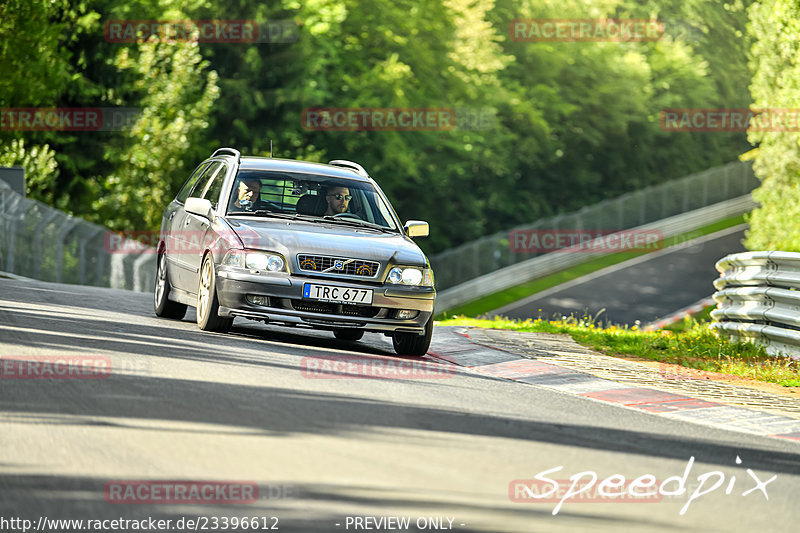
<point>181,405</point>
<point>644,289</point>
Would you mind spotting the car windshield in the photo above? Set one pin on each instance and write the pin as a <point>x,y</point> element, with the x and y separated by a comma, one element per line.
<point>308,197</point>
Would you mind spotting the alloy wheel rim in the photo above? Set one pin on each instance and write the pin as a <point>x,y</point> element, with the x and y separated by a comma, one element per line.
<point>205,290</point>
<point>161,279</point>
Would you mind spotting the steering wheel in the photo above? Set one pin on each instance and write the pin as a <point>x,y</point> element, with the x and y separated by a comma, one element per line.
<point>346,215</point>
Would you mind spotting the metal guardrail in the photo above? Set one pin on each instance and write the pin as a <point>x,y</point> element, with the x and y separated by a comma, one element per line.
<point>758,299</point>
<point>40,242</point>
<point>488,254</point>
<point>553,262</point>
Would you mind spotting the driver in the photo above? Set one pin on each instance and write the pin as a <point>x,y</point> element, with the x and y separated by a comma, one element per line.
<point>248,195</point>
<point>338,199</point>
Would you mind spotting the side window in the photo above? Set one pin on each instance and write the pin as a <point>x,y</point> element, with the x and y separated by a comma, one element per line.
<point>202,183</point>
<point>184,193</point>
<point>213,191</point>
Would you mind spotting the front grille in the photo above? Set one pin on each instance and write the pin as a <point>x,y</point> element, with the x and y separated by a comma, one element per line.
<point>363,311</point>
<point>328,265</point>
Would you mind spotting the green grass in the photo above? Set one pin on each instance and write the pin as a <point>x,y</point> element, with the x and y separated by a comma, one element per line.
<point>696,346</point>
<point>513,294</point>
<point>686,323</point>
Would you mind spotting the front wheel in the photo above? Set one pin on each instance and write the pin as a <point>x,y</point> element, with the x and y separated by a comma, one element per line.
<point>413,344</point>
<point>208,318</point>
<point>164,307</point>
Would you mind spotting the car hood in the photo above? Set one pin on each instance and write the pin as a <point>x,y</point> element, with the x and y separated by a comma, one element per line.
<point>292,237</point>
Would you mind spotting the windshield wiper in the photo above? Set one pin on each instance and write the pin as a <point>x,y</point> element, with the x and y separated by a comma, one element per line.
<point>271,214</point>
<point>358,223</point>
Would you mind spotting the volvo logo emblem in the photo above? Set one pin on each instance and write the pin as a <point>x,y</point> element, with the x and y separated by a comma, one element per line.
<point>338,264</point>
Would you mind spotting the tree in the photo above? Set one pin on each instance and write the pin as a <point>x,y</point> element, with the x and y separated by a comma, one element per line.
<point>775,27</point>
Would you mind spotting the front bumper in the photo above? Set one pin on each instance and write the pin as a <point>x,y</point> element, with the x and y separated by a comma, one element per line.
<point>286,304</point>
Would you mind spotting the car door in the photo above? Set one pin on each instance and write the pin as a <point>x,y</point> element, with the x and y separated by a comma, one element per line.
<point>197,227</point>
<point>173,217</point>
<point>186,244</point>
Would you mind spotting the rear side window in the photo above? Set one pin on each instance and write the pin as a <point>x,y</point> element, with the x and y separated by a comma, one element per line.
<point>213,191</point>
<point>184,193</point>
<point>202,183</point>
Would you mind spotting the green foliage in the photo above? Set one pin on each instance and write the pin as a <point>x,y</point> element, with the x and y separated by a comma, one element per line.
<point>39,163</point>
<point>775,27</point>
<point>176,97</point>
<point>575,122</point>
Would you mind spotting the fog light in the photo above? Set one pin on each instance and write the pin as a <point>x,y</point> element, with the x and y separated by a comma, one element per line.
<point>406,314</point>
<point>257,300</point>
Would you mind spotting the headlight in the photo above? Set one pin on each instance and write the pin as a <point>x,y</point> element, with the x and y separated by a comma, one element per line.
<point>411,276</point>
<point>254,261</point>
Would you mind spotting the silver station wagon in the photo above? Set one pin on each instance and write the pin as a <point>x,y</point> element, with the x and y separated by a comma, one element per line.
<point>294,243</point>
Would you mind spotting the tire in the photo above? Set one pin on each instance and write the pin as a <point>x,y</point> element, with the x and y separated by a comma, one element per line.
<point>207,301</point>
<point>348,334</point>
<point>164,307</point>
<point>413,344</point>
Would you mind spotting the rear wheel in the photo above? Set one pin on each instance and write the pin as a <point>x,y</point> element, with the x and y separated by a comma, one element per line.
<point>413,344</point>
<point>348,334</point>
<point>207,302</point>
<point>164,307</point>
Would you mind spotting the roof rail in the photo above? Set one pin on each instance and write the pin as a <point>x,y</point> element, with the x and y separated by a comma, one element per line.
<point>230,151</point>
<point>349,164</point>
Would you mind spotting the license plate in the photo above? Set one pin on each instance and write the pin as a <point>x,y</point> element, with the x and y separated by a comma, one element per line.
<point>332,293</point>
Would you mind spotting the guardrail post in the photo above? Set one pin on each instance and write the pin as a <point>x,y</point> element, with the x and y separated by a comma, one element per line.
<point>37,241</point>
<point>726,174</point>
<point>11,221</point>
<point>65,229</point>
<point>138,268</point>
<point>82,253</point>
<point>101,264</point>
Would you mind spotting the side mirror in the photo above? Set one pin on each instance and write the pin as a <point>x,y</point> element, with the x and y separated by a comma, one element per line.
<point>416,228</point>
<point>200,207</point>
